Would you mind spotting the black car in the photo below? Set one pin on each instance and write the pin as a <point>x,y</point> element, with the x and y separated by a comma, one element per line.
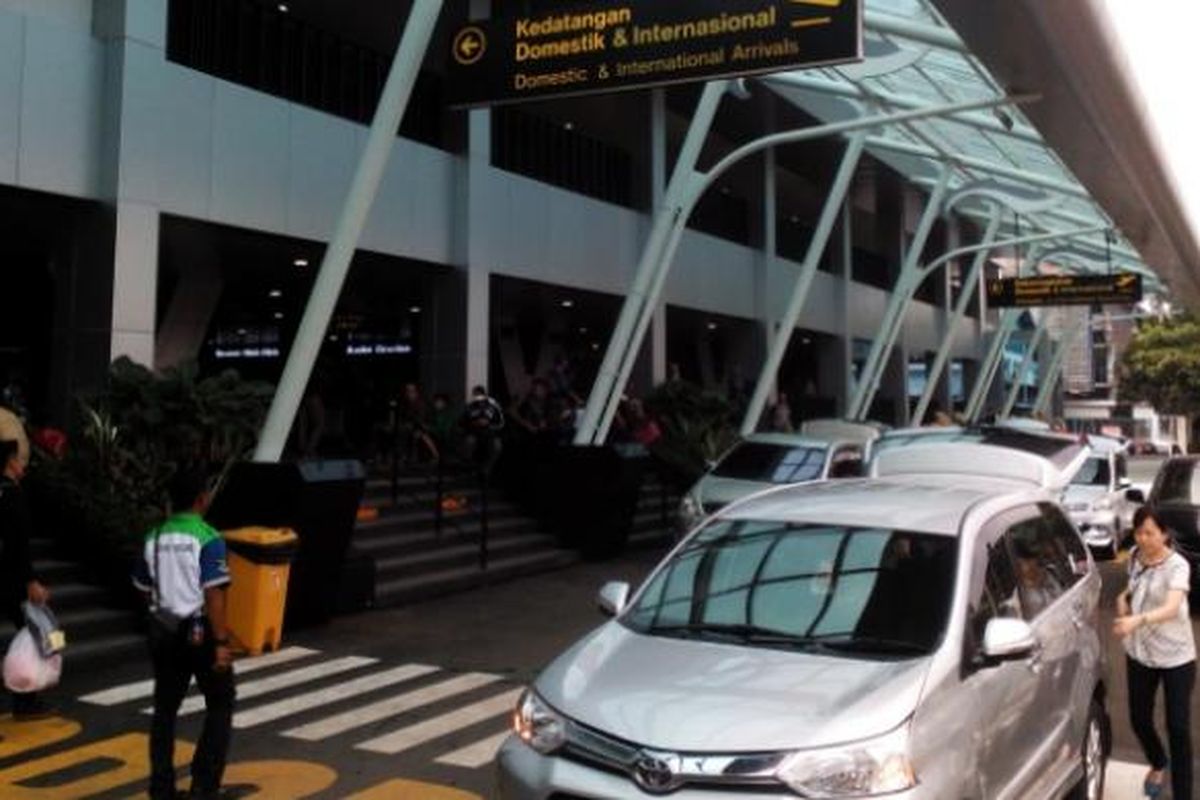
<point>1176,495</point>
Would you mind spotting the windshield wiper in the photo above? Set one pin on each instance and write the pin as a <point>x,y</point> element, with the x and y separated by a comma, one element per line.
<point>872,644</point>
<point>741,632</point>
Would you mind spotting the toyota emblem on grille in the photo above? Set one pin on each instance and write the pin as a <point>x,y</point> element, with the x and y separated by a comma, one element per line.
<point>656,772</point>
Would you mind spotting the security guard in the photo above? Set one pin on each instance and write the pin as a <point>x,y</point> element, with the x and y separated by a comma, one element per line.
<point>184,577</point>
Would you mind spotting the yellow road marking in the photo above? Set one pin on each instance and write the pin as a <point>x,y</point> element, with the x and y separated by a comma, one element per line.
<point>131,750</point>
<point>276,779</point>
<point>20,737</point>
<point>413,790</point>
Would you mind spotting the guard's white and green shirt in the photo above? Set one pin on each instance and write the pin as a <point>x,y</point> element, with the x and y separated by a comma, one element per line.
<point>190,558</point>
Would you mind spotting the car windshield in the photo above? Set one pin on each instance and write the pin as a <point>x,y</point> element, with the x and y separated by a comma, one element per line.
<point>853,592</point>
<point>772,463</point>
<point>1094,472</point>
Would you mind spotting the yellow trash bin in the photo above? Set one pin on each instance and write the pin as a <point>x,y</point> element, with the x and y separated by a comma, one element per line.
<point>259,563</point>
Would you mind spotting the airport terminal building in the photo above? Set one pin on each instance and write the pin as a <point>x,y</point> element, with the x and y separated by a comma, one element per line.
<point>171,171</point>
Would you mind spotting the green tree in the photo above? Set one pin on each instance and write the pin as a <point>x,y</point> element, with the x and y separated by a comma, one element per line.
<point>1162,366</point>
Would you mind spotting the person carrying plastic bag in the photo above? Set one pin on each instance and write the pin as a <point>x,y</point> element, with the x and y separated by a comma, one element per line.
<point>34,661</point>
<point>17,580</point>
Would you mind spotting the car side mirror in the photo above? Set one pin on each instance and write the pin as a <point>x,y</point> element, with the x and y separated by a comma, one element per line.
<point>1135,496</point>
<point>612,598</point>
<point>1007,639</point>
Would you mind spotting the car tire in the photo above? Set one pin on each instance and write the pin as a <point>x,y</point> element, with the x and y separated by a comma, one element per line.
<point>1093,757</point>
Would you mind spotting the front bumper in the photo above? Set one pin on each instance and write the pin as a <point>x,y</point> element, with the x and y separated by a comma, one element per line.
<point>1098,528</point>
<point>524,774</point>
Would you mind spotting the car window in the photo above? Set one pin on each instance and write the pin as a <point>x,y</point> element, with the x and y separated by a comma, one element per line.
<point>1178,483</point>
<point>1042,573</point>
<point>1122,467</point>
<point>1094,472</point>
<point>847,462</point>
<point>862,591</point>
<point>1069,554</point>
<point>772,463</point>
<point>993,590</point>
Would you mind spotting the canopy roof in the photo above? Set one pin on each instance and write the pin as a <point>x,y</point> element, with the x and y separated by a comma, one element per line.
<point>916,60</point>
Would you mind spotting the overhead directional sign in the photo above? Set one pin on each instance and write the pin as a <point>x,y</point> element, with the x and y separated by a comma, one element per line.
<point>629,44</point>
<point>1064,290</point>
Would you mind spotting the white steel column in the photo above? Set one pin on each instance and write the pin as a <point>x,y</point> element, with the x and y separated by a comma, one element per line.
<point>1053,373</point>
<point>816,249</point>
<point>960,307</point>
<point>658,188</point>
<point>909,279</point>
<point>1014,391</point>
<point>640,293</point>
<point>336,262</point>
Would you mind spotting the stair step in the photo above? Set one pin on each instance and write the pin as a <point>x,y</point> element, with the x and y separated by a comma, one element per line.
<point>89,624</point>
<point>435,584</point>
<point>388,523</point>
<point>382,543</point>
<point>68,596</point>
<point>104,651</point>
<point>455,555</point>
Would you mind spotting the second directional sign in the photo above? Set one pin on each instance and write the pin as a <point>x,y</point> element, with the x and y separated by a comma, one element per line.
<point>609,46</point>
<point>1064,290</point>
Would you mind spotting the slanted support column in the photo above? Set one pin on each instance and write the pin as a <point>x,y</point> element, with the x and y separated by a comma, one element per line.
<point>336,262</point>
<point>908,281</point>
<point>960,308</point>
<point>1053,373</point>
<point>635,316</point>
<point>816,249</point>
<point>1014,391</point>
<point>658,189</point>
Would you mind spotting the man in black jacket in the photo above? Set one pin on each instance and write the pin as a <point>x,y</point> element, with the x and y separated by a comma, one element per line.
<point>17,580</point>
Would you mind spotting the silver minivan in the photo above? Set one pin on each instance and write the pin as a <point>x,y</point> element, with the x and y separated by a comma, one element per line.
<point>917,635</point>
<point>1100,499</point>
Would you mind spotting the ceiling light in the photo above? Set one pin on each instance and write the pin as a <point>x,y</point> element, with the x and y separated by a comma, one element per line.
<point>300,262</point>
<point>712,326</point>
<point>794,218</point>
<point>333,337</point>
<point>569,126</point>
<point>583,329</point>
<point>276,293</point>
<point>725,190</point>
<point>806,340</point>
<point>414,309</point>
<point>567,304</point>
<point>241,331</point>
<point>595,346</point>
<point>283,8</point>
<point>278,315</point>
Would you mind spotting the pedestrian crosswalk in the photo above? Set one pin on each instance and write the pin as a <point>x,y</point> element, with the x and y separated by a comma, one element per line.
<point>302,694</point>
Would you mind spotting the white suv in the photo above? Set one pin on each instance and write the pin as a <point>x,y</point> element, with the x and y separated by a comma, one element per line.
<point>921,635</point>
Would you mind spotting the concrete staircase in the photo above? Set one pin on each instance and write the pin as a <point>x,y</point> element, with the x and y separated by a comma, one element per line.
<point>99,632</point>
<point>414,561</point>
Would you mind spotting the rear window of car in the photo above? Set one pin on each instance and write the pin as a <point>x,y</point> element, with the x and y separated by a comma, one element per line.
<point>1094,472</point>
<point>772,463</point>
<point>1179,483</point>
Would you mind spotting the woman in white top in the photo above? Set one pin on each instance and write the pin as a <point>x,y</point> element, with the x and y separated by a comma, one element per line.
<point>1153,620</point>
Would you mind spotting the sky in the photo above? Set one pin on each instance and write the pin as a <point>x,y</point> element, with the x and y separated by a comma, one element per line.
<point>1161,48</point>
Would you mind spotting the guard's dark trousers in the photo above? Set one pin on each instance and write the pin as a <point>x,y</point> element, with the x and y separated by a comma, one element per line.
<point>176,661</point>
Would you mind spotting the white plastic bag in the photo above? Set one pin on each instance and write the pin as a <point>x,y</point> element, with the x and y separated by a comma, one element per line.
<point>25,670</point>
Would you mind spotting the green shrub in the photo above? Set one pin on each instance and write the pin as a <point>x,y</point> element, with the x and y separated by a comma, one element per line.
<point>697,428</point>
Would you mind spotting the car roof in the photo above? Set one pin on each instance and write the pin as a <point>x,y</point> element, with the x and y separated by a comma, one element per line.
<point>926,504</point>
<point>786,439</point>
<point>1103,445</point>
<point>1061,450</point>
<point>841,430</point>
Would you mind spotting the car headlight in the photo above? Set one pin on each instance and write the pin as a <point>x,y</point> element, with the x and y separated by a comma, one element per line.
<point>860,769</point>
<point>1103,504</point>
<point>539,725</point>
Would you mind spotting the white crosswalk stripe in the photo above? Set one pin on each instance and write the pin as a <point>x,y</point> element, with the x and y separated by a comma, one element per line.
<point>427,731</point>
<point>140,690</point>
<point>325,669</point>
<point>393,706</point>
<point>330,694</point>
<point>475,755</point>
